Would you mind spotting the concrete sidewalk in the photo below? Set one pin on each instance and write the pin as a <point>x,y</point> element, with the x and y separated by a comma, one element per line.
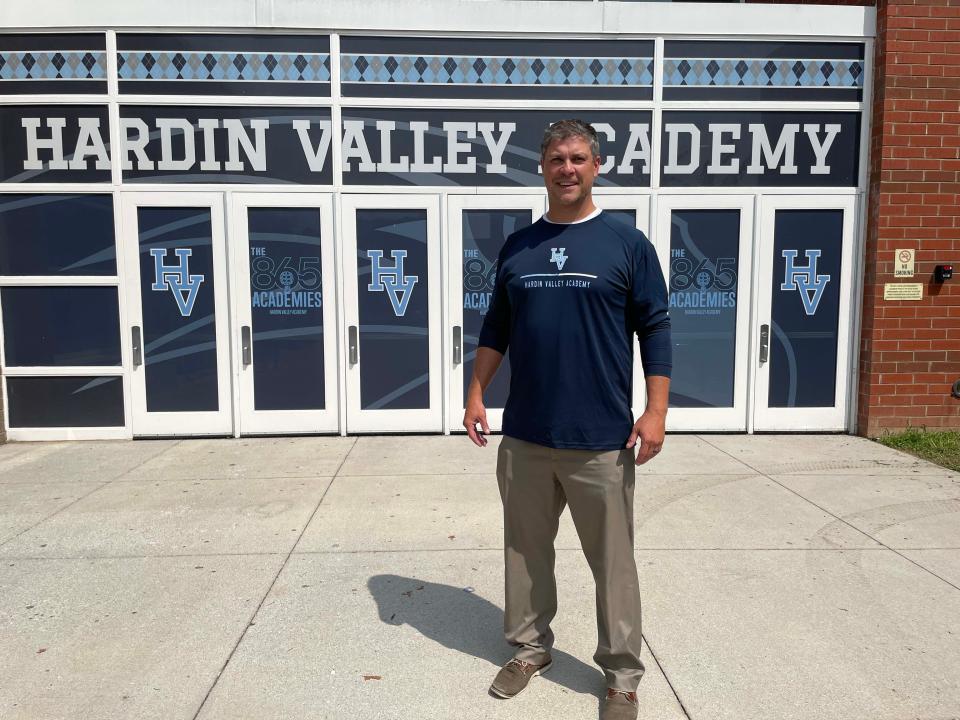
<point>782,577</point>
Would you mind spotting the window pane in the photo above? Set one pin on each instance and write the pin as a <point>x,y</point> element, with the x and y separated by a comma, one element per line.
<point>704,269</point>
<point>177,294</point>
<point>394,309</point>
<point>806,308</point>
<point>287,308</point>
<point>65,401</point>
<point>484,232</point>
<point>57,235</point>
<point>61,326</point>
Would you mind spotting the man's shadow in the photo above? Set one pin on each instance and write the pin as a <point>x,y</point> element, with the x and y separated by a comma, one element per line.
<point>459,619</point>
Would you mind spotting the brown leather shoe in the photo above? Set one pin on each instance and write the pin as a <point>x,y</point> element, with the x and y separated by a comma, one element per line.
<point>619,705</point>
<point>514,677</point>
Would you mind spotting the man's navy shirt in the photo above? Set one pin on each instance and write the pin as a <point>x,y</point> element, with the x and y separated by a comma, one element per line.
<point>567,301</point>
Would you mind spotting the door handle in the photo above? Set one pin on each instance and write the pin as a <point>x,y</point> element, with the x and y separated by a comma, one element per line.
<point>457,345</point>
<point>137,346</point>
<point>352,343</point>
<point>764,343</point>
<point>245,345</point>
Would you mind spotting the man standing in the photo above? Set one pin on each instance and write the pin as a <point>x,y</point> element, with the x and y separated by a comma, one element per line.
<point>571,290</point>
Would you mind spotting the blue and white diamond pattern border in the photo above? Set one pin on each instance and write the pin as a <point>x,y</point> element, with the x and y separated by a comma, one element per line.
<point>760,72</point>
<point>53,65</point>
<point>223,66</point>
<point>489,70</point>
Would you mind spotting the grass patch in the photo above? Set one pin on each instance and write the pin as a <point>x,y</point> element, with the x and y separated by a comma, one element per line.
<point>941,447</point>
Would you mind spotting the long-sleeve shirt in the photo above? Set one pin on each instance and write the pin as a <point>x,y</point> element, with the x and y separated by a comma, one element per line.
<point>568,299</point>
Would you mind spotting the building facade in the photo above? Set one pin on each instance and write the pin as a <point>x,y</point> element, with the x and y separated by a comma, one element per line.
<point>271,217</point>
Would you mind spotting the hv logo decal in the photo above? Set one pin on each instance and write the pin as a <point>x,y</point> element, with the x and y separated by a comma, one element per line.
<point>399,287</point>
<point>176,278</point>
<point>805,279</point>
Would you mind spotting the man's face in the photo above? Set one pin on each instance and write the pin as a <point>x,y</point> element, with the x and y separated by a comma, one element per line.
<point>569,169</point>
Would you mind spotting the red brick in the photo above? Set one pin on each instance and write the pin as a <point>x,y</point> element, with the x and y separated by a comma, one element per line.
<point>944,59</point>
<point>930,24</point>
<point>896,378</point>
<point>900,9</point>
<point>931,378</point>
<point>931,47</point>
<point>941,35</point>
<point>944,11</point>
<point>944,410</point>
<point>930,355</point>
<point>928,141</point>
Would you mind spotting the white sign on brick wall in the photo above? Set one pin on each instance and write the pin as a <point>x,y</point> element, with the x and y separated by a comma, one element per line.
<point>903,263</point>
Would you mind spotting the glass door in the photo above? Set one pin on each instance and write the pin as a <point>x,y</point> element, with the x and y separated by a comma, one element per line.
<point>803,313</point>
<point>478,226</point>
<point>286,312</point>
<point>175,284</point>
<point>392,305</point>
<point>709,244</point>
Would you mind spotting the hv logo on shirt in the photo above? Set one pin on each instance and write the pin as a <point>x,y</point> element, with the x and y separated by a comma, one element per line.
<point>557,256</point>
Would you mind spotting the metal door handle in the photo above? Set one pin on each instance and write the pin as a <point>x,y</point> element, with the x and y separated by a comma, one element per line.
<point>137,346</point>
<point>245,345</point>
<point>352,341</point>
<point>457,345</point>
<point>764,343</point>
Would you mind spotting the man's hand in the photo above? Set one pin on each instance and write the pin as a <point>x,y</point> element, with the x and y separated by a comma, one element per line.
<point>476,413</point>
<point>650,428</point>
<point>484,366</point>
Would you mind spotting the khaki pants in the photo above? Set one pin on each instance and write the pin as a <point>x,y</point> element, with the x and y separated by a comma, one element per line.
<point>536,482</point>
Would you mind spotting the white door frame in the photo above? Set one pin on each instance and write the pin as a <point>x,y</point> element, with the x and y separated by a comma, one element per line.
<point>250,420</point>
<point>717,419</point>
<point>456,204</point>
<point>831,418</point>
<point>143,422</point>
<point>372,421</point>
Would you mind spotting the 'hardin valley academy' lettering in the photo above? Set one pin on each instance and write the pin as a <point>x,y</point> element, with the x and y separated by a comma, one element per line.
<point>241,145</point>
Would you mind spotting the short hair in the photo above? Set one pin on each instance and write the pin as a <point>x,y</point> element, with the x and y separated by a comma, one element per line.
<point>563,129</point>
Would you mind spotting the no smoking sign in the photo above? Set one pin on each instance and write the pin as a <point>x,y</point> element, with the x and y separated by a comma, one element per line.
<point>903,263</point>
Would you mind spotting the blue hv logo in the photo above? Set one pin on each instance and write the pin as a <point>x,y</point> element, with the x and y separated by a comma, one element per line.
<point>399,287</point>
<point>557,256</point>
<point>176,278</point>
<point>805,279</point>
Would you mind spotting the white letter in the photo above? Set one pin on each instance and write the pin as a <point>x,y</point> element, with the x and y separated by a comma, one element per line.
<point>761,143</point>
<point>138,145</point>
<point>496,166</point>
<point>315,158</point>
<point>54,143</point>
<point>355,146</point>
<point>820,150</point>
<point>256,152</point>
<point>609,135</point>
<point>209,162</point>
<point>639,136</point>
<point>455,147</point>
<point>673,131</point>
<point>166,126</point>
<point>419,128</point>
<point>719,149</point>
<point>89,142</point>
<point>386,127</point>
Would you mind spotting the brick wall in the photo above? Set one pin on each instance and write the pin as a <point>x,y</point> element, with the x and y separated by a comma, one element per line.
<point>910,350</point>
